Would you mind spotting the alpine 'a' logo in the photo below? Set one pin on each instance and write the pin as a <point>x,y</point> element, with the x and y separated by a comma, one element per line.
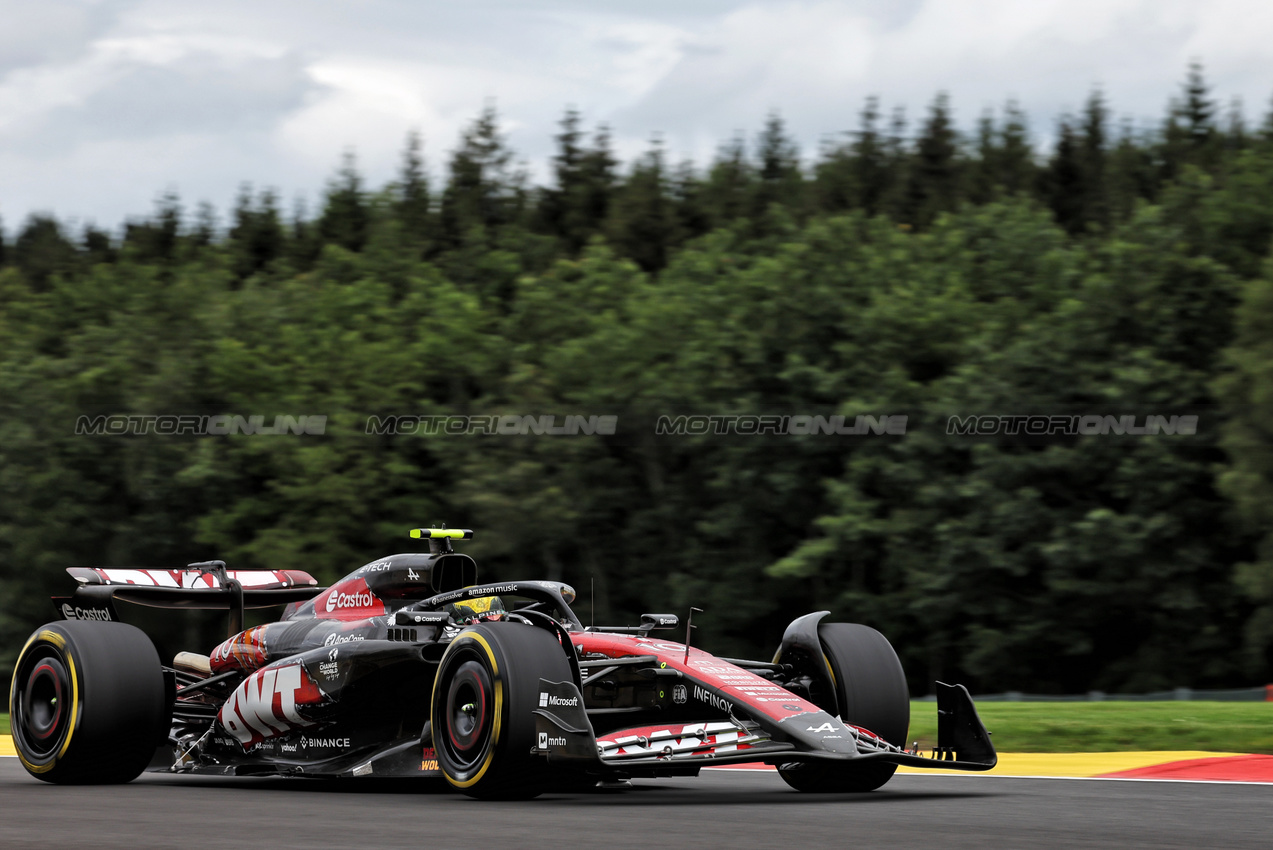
<point>264,705</point>
<point>825,727</point>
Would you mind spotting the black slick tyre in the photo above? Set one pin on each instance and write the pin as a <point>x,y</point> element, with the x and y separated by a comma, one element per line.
<point>87,704</point>
<point>871,690</point>
<point>486,689</point>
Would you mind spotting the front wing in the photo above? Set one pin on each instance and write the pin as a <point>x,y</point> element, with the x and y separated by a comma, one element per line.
<point>566,737</point>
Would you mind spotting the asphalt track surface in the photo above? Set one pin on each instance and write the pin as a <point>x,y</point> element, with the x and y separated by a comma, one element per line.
<point>738,809</point>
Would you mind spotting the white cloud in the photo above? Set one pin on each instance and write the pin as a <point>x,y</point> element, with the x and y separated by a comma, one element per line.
<point>105,104</point>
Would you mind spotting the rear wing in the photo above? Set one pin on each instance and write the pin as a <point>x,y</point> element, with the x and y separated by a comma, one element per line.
<point>205,585</point>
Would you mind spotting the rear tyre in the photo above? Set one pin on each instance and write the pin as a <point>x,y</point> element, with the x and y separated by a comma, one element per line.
<point>870,687</point>
<point>486,689</point>
<point>87,704</point>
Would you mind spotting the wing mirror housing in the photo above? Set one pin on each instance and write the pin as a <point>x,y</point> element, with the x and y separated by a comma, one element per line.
<point>659,621</point>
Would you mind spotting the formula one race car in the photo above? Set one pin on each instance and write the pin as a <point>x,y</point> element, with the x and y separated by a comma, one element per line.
<point>407,667</point>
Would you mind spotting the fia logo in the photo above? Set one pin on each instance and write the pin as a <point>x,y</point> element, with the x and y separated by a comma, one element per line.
<point>331,656</point>
<point>679,695</point>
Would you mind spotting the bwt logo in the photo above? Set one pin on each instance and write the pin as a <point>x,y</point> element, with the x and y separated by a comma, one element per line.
<point>546,700</point>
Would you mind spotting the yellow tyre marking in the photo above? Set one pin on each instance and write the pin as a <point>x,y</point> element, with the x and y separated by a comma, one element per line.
<point>60,642</point>
<point>499,707</point>
<point>75,704</point>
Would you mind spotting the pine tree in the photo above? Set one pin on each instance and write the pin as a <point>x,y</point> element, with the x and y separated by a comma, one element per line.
<point>870,161</point>
<point>567,164</point>
<point>304,242</point>
<point>1266,127</point>
<point>1133,172</point>
<point>983,172</point>
<point>346,218</point>
<point>3,255</point>
<point>42,252</point>
<point>932,184</point>
<point>729,184</point>
<point>97,246</point>
<point>155,240</point>
<point>1062,181</point>
<point>1189,135</point>
<point>256,236</point>
<point>205,226</point>
<point>1092,155</point>
<point>687,200</point>
<point>482,191</point>
<point>1236,137</point>
<point>576,207</point>
<point>833,184</point>
<point>1017,169</point>
<point>642,221</point>
<point>899,166</point>
<point>596,183</point>
<point>412,205</point>
<point>1198,110</point>
<point>855,174</point>
<point>778,167</point>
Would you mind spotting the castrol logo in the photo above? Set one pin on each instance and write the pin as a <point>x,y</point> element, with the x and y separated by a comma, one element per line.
<point>337,600</point>
<point>77,613</point>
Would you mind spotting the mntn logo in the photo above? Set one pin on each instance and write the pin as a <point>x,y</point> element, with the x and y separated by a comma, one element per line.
<point>545,742</point>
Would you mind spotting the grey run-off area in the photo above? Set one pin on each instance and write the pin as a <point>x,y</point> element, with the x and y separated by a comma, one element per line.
<point>738,809</point>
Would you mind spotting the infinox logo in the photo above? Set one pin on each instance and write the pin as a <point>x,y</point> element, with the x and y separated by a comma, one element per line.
<point>78,613</point>
<point>358,599</point>
<point>714,700</point>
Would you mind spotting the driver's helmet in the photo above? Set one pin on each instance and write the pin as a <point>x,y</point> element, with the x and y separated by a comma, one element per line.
<point>478,610</point>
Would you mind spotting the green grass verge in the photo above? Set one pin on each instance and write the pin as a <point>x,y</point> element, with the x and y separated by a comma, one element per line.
<point>1076,727</point>
<point>4,724</point>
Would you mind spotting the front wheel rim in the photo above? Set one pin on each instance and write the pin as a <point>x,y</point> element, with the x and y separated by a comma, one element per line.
<point>41,704</point>
<point>468,715</point>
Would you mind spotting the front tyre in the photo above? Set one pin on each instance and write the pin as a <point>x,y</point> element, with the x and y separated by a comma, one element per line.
<point>87,704</point>
<point>871,690</point>
<point>484,696</point>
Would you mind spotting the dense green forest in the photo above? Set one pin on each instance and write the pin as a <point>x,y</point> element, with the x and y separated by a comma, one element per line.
<point>904,269</point>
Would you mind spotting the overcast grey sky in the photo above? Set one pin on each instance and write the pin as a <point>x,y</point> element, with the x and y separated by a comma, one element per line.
<point>104,104</point>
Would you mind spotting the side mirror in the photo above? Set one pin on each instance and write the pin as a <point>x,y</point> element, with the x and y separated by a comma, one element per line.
<point>659,621</point>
